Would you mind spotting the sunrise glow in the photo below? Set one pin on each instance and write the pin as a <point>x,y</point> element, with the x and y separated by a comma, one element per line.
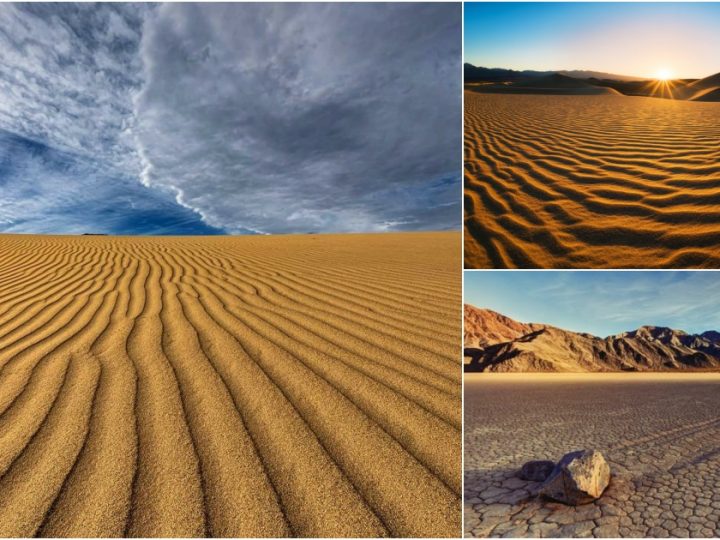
<point>664,74</point>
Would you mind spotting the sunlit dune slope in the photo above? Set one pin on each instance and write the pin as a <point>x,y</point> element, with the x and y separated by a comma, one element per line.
<point>591,181</point>
<point>252,386</point>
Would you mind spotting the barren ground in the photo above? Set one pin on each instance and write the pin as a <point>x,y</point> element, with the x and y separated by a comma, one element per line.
<point>659,432</point>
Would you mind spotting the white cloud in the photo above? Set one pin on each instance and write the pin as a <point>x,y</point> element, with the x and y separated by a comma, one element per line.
<point>68,72</point>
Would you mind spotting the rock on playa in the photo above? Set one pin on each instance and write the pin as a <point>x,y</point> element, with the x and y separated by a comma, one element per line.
<point>579,478</point>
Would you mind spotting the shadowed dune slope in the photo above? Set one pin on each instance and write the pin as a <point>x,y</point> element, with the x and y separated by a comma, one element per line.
<point>550,84</point>
<point>709,94</point>
<point>230,386</point>
<point>707,89</point>
<point>591,182</point>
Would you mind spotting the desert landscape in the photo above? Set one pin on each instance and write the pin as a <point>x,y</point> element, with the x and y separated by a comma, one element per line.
<point>591,135</point>
<point>657,427</point>
<point>496,343</point>
<point>292,385</point>
<point>659,432</point>
<point>560,173</point>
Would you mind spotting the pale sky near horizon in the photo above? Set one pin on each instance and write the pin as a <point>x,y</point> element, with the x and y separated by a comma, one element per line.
<point>601,303</point>
<point>638,39</point>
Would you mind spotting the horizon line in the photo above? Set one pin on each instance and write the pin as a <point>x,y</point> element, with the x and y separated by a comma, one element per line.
<point>585,69</point>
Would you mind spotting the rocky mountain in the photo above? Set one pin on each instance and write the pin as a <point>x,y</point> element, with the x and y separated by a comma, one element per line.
<point>484,327</point>
<point>498,343</point>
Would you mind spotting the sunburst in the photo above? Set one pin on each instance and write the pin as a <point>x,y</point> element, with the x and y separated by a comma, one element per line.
<point>663,85</point>
<point>664,74</point>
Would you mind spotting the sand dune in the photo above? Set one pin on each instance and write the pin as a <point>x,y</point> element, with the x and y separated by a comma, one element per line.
<point>553,84</point>
<point>707,94</point>
<point>707,89</point>
<point>591,181</point>
<point>253,386</point>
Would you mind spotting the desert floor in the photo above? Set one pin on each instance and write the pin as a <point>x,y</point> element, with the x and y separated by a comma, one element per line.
<point>236,386</point>
<point>659,432</point>
<point>591,182</point>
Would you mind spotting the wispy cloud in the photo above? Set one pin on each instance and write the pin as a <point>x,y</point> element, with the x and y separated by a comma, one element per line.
<point>68,73</point>
<point>45,190</point>
<point>257,117</point>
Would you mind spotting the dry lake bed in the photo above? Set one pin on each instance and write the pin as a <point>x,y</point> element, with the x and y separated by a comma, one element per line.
<point>659,432</point>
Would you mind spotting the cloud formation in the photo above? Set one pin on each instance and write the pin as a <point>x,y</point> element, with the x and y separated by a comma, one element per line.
<point>69,72</point>
<point>50,191</point>
<point>259,117</point>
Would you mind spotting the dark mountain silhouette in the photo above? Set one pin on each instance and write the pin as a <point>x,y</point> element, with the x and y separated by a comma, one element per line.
<point>482,74</point>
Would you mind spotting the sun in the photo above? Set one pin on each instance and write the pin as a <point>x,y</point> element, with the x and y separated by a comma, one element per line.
<point>664,74</point>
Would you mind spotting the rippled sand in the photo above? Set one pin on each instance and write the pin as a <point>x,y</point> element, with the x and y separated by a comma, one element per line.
<point>591,182</point>
<point>235,386</point>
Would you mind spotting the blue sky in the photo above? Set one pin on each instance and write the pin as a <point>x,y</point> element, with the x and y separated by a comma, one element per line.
<point>637,39</point>
<point>238,118</point>
<point>598,302</point>
<point>48,191</point>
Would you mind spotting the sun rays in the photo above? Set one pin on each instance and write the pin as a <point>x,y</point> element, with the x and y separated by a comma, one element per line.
<point>663,86</point>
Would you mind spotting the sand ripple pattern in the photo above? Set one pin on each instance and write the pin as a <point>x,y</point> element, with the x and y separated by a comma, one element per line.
<point>591,182</point>
<point>253,386</point>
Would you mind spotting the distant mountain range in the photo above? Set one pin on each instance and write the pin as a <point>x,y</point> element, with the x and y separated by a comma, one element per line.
<point>494,342</point>
<point>482,74</point>
<point>585,82</point>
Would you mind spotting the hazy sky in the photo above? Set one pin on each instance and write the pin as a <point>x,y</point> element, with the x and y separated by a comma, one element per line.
<point>601,303</point>
<point>639,39</point>
<point>237,118</point>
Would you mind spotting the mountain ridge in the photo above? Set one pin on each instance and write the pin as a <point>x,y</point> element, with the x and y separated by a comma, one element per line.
<point>473,73</point>
<point>587,82</point>
<point>499,343</point>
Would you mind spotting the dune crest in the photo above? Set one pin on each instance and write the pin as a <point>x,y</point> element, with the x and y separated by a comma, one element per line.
<point>230,386</point>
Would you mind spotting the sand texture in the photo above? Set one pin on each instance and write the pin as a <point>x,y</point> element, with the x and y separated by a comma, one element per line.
<point>659,432</point>
<point>591,182</point>
<point>236,386</point>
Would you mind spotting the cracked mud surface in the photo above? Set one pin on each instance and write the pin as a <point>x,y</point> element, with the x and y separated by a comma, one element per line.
<point>659,432</point>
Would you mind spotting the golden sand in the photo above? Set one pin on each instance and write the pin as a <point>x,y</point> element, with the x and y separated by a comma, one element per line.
<point>591,182</point>
<point>230,386</point>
